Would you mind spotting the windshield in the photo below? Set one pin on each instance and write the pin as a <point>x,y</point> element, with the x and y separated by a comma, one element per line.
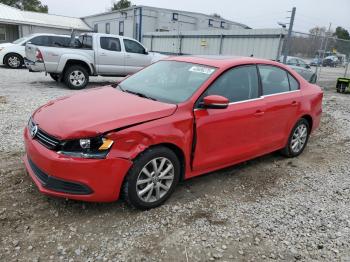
<point>168,81</point>
<point>20,40</point>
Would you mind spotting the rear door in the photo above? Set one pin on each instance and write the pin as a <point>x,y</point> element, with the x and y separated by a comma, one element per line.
<point>282,104</point>
<point>231,135</point>
<point>110,56</point>
<point>136,56</point>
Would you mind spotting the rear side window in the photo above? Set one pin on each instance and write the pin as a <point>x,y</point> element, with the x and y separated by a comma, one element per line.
<point>85,41</point>
<point>133,47</point>
<point>42,40</point>
<point>110,43</point>
<point>274,80</point>
<point>237,84</point>
<point>293,83</point>
<point>60,41</point>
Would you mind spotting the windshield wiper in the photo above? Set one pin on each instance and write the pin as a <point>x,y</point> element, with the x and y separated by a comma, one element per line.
<point>136,93</point>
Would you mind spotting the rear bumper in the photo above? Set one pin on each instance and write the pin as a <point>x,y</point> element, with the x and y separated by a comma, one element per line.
<point>34,66</point>
<point>93,180</point>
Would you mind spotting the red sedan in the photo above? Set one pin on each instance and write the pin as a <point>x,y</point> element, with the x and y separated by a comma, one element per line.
<point>176,119</point>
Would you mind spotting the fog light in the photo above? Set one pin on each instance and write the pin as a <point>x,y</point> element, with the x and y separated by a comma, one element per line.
<point>85,143</point>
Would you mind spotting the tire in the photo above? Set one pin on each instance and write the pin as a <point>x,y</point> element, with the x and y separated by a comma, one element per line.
<point>140,186</point>
<point>76,77</point>
<point>55,77</point>
<point>14,61</point>
<point>291,149</point>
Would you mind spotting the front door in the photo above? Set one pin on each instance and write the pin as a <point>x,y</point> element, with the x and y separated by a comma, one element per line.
<point>110,57</point>
<point>231,135</point>
<point>136,56</point>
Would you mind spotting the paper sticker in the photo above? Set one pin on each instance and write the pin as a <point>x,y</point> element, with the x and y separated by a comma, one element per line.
<point>202,70</point>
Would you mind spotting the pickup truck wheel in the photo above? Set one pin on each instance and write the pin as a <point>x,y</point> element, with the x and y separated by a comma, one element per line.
<point>14,61</point>
<point>76,77</point>
<point>55,77</point>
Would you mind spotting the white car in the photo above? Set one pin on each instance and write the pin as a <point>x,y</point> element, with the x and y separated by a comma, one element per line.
<point>12,55</point>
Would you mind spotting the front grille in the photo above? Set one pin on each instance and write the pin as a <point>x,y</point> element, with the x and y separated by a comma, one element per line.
<point>43,138</point>
<point>58,185</point>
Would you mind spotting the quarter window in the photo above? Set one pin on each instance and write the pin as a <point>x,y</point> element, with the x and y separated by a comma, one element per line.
<point>133,47</point>
<point>110,43</point>
<point>274,80</point>
<point>237,84</point>
<point>293,83</point>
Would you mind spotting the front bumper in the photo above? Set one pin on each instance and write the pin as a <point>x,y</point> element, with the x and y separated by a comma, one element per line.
<point>34,66</point>
<point>93,180</point>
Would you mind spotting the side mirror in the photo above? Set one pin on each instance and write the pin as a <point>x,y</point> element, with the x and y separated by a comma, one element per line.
<point>215,102</point>
<point>146,51</point>
<point>308,66</point>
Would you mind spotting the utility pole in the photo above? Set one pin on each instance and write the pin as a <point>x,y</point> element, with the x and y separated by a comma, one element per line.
<point>290,30</point>
<point>325,46</point>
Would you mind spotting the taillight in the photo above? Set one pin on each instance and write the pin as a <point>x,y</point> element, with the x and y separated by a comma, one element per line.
<point>39,56</point>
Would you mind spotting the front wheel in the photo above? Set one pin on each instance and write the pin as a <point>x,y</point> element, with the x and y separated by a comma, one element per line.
<point>152,178</point>
<point>14,61</point>
<point>298,139</point>
<point>76,77</point>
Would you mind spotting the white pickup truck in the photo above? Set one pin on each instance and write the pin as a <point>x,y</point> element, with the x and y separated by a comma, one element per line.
<point>92,54</point>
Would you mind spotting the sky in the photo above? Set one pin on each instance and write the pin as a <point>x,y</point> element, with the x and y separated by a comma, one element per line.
<point>254,13</point>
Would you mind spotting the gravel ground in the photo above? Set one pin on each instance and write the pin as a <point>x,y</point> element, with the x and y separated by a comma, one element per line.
<point>270,208</point>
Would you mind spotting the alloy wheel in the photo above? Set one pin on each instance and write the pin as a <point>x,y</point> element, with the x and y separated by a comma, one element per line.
<point>155,179</point>
<point>77,78</point>
<point>14,61</point>
<point>299,138</point>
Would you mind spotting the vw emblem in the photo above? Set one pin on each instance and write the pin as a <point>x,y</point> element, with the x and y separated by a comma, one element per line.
<point>33,131</point>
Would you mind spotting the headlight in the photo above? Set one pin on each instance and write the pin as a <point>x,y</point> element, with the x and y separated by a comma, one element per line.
<point>97,147</point>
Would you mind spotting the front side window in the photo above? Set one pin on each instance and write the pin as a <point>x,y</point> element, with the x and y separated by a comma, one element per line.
<point>40,40</point>
<point>2,33</point>
<point>237,84</point>
<point>110,43</point>
<point>108,28</point>
<point>274,80</point>
<point>168,81</point>
<point>133,47</point>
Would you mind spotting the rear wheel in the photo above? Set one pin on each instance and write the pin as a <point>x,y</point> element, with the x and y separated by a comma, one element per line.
<point>76,77</point>
<point>298,139</point>
<point>14,61</point>
<point>152,178</point>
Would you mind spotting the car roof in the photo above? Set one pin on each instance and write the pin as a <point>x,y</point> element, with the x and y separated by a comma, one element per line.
<point>223,61</point>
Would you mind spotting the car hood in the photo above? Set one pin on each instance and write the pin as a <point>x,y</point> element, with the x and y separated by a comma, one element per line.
<point>97,111</point>
<point>6,45</point>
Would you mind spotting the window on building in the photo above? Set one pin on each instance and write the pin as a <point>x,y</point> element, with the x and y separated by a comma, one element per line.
<point>96,28</point>
<point>211,23</point>
<point>133,47</point>
<point>274,80</point>
<point>222,24</point>
<point>175,16</point>
<point>108,28</point>
<point>110,43</point>
<point>121,28</point>
<point>237,84</point>
<point>2,33</point>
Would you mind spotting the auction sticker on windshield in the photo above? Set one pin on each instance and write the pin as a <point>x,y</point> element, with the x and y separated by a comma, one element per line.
<point>202,70</point>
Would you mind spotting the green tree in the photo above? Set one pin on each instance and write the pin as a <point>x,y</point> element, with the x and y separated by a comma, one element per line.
<point>342,33</point>
<point>27,5</point>
<point>121,4</point>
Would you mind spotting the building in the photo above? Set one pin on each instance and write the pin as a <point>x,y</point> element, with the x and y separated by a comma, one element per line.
<point>138,20</point>
<point>15,23</point>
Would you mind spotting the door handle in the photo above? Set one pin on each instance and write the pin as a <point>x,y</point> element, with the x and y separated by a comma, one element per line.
<point>128,56</point>
<point>103,54</point>
<point>294,103</point>
<point>259,113</point>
